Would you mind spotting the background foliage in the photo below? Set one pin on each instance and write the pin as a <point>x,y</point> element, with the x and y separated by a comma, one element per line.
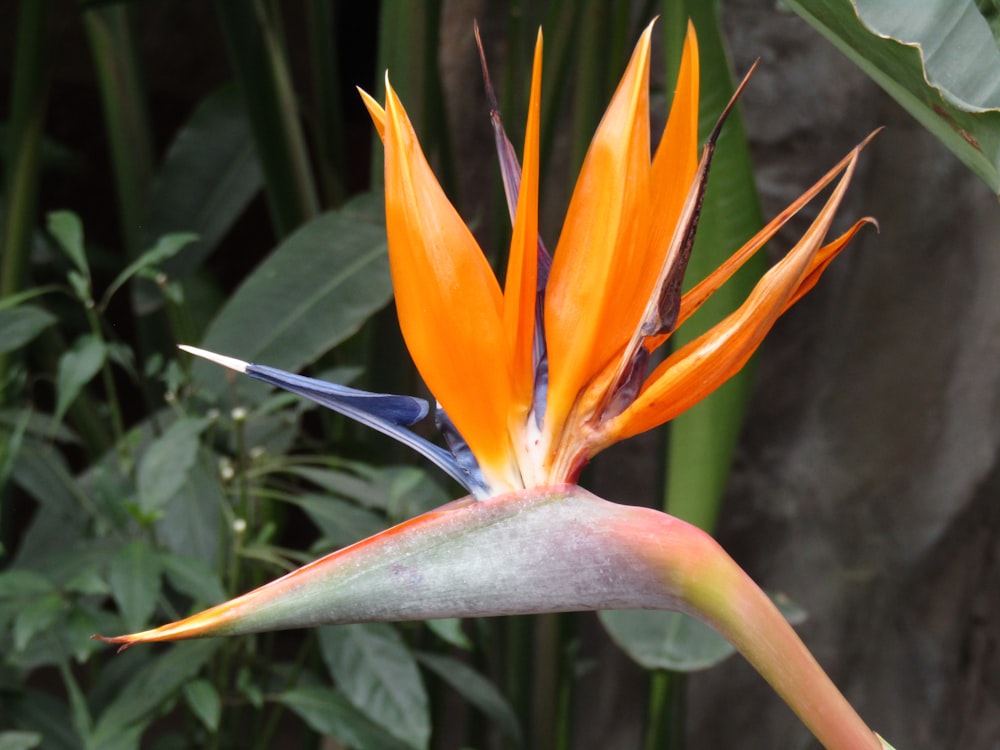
<point>225,193</point>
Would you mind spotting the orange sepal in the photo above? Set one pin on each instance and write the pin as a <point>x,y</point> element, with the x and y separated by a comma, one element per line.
<point>696,296</point>
<point>448,301</point>
<point>701,366</point>
<point>601,247</point>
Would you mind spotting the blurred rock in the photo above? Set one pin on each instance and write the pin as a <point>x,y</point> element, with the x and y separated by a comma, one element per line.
<point>867,479</point>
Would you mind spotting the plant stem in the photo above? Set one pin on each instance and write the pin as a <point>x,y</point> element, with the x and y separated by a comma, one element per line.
<point>717,591</point>
<point>665,729</point>
<point>124,100</point>
<point>108,379</point>
<point>545,682</point>
<point>326,108</point>
<point>28,105</point>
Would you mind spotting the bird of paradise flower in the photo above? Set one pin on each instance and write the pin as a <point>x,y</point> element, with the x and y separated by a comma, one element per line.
<point>535,378</point>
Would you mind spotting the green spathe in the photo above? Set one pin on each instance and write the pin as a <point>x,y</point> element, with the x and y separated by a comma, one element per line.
<point>551,549</point>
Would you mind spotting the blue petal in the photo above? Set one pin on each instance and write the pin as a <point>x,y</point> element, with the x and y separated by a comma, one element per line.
<point>389,414</point>
<point>462,453</point>
<point>397,410</point>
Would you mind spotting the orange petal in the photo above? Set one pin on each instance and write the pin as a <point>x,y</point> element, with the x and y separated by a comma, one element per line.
<point>447,298</point>
<point>697,295</point>
<point>522,265</point>
<point>601,248</point>
<point>694,371</point>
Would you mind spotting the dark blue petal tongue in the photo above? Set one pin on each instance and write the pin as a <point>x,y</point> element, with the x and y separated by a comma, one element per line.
<point>398,410</point>
<point>389,414</point>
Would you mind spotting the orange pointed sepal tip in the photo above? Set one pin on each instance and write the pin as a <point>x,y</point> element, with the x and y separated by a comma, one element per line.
<point>375,111</point>
<point>674,163</point>
<point>520,286</point>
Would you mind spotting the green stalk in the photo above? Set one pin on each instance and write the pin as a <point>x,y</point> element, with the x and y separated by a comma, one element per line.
<point>111,391</point>
<point>561,30</point>
<point>123,98</point>
<point>264,81</point>
<point>702,441</point>
<point>591,94</point>
<point>665,721</point>
<point>28,105</point>
<point>326,107</point>
<point>266,734</point>
<point>408,49</point>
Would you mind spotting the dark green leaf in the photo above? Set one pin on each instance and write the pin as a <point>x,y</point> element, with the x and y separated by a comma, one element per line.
<point>76,368</point>
<point>330,713</point>
<point>341,522</point>
<point>671,640</point>
<point>166,247</point>
<point>16,300</point>
<point>410,491</point>
<point>78,628</point>
<point>192,577</point>
<point>36,615</point>
<point>151,685</point>
<point>167,463</point>
<point>20,326</point>
<point>125,739</point>
<point>80,285</point>
<point>260,63</point>
<point>379,675</point>
<point>208,177</point>
<point>343,484</point>
<point>312,292</point>
<point>24,583</point>
<point>205,703</point>
<point>666,640</point>
<point>476,689</point>
<point>87,580</point>
<point>38,425</point>
<point>66,228</point>
<point>38,711</point>
<point>10,446</point>
<point>62,515</point>
<point>191,524</point>
<point>19,740</point>
<point>449,629</point>
<point>134,576</point>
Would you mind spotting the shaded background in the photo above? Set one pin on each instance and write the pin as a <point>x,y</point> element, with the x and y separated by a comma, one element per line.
<point>866,481</point>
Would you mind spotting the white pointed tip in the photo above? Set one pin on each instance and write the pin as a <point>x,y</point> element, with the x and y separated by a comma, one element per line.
<point>231,362</point>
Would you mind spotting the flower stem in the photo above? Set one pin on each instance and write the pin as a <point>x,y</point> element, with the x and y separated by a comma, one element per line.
<point>723,595</point>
